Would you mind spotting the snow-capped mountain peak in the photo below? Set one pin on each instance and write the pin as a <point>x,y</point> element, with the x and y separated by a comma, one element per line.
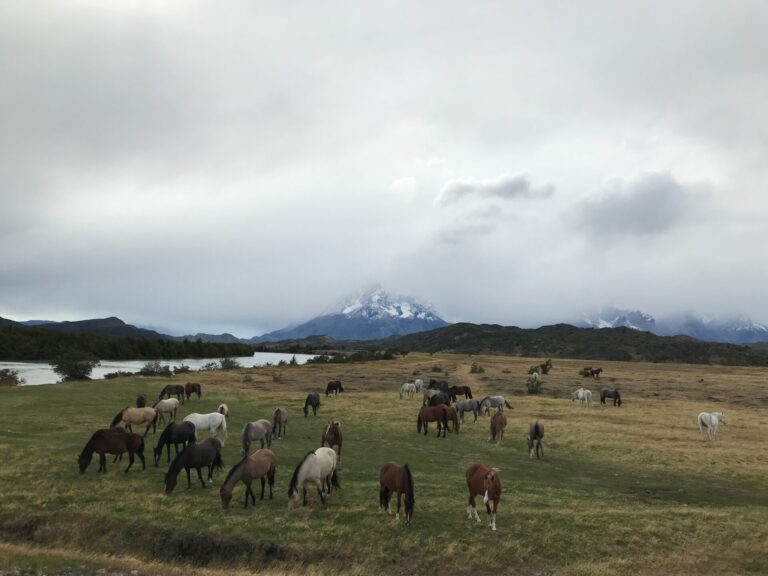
<point>377,303</point>
<point>616,317</point>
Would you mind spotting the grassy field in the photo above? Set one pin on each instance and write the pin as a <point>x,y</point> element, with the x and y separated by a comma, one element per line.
<point>631,490</point>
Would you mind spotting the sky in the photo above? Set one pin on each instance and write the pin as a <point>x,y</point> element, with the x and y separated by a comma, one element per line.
<point>242,166</point>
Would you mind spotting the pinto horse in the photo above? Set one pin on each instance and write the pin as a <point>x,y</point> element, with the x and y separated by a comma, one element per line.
<point>610,393</point>
<point>173,390</point>
<point>455,391</point>
<point>138,416</point>
<point>396,478</point>
<point>279,421</point>
<point>259,465</point>
<point>202,454</point>
<point>175,434</point>
<point>318,468</point>
<point>485,481</point>
<point>333,387</point>
<point>313,401</point>
<point>498,424</point>
<point>193,388</point>
<point>332,435</point>
<point>432,414</point>
<point>112,441</point>
<point>535,437</point>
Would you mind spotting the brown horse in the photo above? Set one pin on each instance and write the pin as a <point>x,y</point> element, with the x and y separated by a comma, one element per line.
<point>396,478</point>
<point>432,414</point>
<point>192,388</point>
<point>259,465</point>
<point>485,481</point>
<point>332,435</point>
<point>455,391</point>
<point>279,421</point>
<point>535,437</point>
<point>173,390</point>
<point>542,368</point>
<point>206,453</point>
<point>138,416</point>
<point>141,400</point>
<point>610,393</point>
<point>498,424</point>
<point>452,415</point>
<point>112,441</point>
<point>595,373</point>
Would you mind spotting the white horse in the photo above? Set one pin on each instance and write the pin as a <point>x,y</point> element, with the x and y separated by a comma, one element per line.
<point>167,406</point>
<point>223,409</point>
<point>407,390</point>
<point>582,395</point>
<point>419,383</point>
<point>710,421</point>
<point>215,422</point>
<point>318,468</point>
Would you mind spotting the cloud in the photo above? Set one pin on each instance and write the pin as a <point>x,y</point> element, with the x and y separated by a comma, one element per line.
<point>405,187</point>
<point>503,187</point>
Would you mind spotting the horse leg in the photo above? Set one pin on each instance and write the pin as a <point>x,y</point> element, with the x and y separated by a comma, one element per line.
<point>247,490</point>
<point>399,496</point>
<point>130,461</point>
<point>493,515</point>
<point>200,476</point>
<point>103,463</point>
<point>189,480</point>
<point>305,495</point>
<point>263,484</point>
<point>322,496</point>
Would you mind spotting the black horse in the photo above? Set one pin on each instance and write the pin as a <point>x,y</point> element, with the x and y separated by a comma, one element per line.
<point>455,391</point>
<point>175,434</point>
<point>535,437</point>
<point>438,385</point>
<point>312,400</point>
<point>173,390</point>
<point>610,393</point>
<point>438,399</point>
<point>206,453</point>
<point>333,387</point>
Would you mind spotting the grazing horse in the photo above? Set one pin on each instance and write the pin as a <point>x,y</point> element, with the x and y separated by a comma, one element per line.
<point>175,434</point>
<point>193,388</point>
<point>396,478</point>
<point>451,415</point>
<point>468,406</point>
<point>432,414</point>
<point>535,438</point>
<point>138,416</point>
<point>407,390</point>
<point>332,435</point>
<point>582,395</point>
<point>497,402</point>
<point>259,465</point>
<point>206,453</point>
<point>141,401</point>
<point>223,409</point>
<point>318,468</point>
<point>333,387</point>
<point>438,399</point>
<point>279,421</point>
<point>213,421</point>
<point>173,390</point>
<point>542,369</point>
<point>428,394</point>
<point>710,421</point>
<point>455,391</point>
<point>168,406</point>
<point>438,385</point>
<point>485,481</point>
<point>498,424</point>
<point>610,393</point>
<point>313,400</point>
<point>419,383</point>
<point>259,430</point>
<point>595,373</point>
<point>112,441</point>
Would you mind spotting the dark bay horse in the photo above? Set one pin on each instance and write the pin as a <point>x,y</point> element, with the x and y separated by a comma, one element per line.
<point>332,435</point>
<point>535,438</point>
<point>279,421</point>
<point>173,390</point>
<point>595,373</point>
<point>610,393</point>
<point>438,399</point>
<point>112,441</point>
<point>193,388</point>
<point>175,434</point>
<point>141,400</point>
<point>455,391</point>
<point>486,482</point>
<point>438,385</point>
<point>398,479</point>
<point>334,387</point>
<point>258,466</point>
<point>206,453</point>
<point>432,414</point>
<point>498,424</point>
<point>313,401</point>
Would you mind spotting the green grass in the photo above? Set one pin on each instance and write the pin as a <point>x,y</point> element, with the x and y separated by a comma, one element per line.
<point>621,491</point>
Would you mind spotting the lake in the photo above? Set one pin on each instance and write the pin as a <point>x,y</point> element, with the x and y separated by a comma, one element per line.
<point>35,373</point>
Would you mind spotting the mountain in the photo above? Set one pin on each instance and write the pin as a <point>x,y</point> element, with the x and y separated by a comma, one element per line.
<point>616,318</point>
<point>372,315</point>
<point>111,326</point>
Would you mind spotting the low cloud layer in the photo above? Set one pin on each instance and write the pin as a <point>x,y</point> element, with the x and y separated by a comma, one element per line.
<point>504,187</point>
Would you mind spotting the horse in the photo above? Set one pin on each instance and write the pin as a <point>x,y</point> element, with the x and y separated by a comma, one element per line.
<point>313,400</point>
<point>173,390</point>
<point>498,424</point>
<point>407,390</point>
<point>175,434</point>
<point>396,478</point>
<point>334,387</point>
<point>206,453</point>
<point>439,398</point>
<point>432,414</point>
<point>259,430</point>
<point>419,384</point>
<point>167,406</point>
<point>141,401</point>
<point>259,465</point>
<point>535,437</point>
<point>193,388</point>
<point>497,402</point>
<point>427,394</point>
<point>112,441</point>
<point>332,435</point>
<point>542,369</point>
<point>455,391</point>
<point>468,406</point>
<point>582,395</point>
<point>453,416</point>
<point>138,416</point>
<point>223,409</point>
<point>438,385</point>
<point>710,421</point>
<point>610,393</point>
<point>318,468</point>
<point>279,421</point>
<point>485,481</point>
<point>595,373</point>
<point>213,421</point>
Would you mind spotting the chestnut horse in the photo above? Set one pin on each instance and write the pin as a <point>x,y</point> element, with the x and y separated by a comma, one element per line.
<point>111,441</point>
<point>452,415</point>
<point>455,391</point>
<point>259,465</point>
<point>332,435</point>
<point>396,478</point>
<point>432,414</point>
<point>498,424</point>
<point>192,388</point>
<point>485,481</point>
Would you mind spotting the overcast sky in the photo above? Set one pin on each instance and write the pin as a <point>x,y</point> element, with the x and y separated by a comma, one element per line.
<point>240,166</point>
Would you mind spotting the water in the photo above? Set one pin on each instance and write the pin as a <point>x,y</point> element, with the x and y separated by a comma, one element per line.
<point>41,373</point>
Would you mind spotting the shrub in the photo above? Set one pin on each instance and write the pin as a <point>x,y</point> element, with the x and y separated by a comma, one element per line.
<point>476,368</point>
<point>181,369</point>
<point>74,365</point>
<point>209,367</point>
<point>436,368</point>
<point>247,379</point>
<point>10,377</point>
<point>154,368</point>
<point>229,364</point>
<point>118,374</point>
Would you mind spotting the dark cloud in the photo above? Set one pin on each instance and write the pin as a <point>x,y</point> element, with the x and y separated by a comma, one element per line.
<point>504,187</point>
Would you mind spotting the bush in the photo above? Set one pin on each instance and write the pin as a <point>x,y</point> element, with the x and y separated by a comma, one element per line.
<point>118,374</point>
<point>436,368</point>
<point>209,367</point>
<point>229,364</point>
<point>73,365</point>
<point>10,377</point>
<point>476,368</point>
<point>154,368</point>
<point>181,369</point>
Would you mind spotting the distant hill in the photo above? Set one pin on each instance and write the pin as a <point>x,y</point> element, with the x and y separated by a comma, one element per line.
<point>111,326</point>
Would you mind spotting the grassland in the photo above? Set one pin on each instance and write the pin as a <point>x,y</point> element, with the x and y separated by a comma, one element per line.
<point>631,490</point>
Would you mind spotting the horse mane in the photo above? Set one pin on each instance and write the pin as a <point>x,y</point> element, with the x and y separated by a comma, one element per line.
<point>235,467</point>
<point>409,495</point>
<point>292,486</point>
<point>117,418</point>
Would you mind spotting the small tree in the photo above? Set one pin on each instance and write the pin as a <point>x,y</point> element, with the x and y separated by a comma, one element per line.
<point>229,364</point>
<point>476,368</point>
<point>10,377</point>
<point>181,369</point>
<point>74,365</point>
<point>154,368</point>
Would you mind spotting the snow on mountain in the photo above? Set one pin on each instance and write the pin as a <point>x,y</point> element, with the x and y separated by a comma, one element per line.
<point>377,303</point>
<point>616,317</point>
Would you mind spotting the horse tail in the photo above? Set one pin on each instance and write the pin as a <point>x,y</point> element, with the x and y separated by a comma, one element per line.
<point>383,496</point>
<point>246,441</point>
<point>418,423</point>
<point>410,498</point>
<point>335,479</point>
<point>469,392</point>
<point>116,419</point>
<point>223,430</point>
<point>507,404</point>
<point>274,420</point>
<point>217,463</point>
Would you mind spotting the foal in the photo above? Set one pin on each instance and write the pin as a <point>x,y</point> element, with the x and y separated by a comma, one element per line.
<point>485,481</point>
